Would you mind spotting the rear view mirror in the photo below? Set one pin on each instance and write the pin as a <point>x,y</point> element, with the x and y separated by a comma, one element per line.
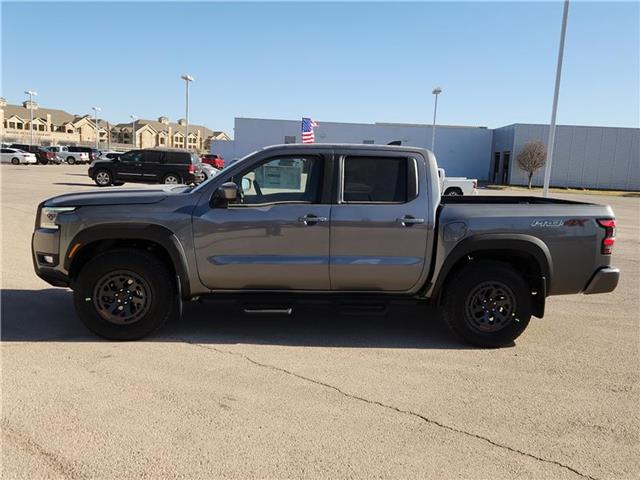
<point>228,191</point>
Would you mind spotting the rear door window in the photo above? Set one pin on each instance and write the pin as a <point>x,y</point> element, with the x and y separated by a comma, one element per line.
<point>153,156</point>
<point>375,180</point>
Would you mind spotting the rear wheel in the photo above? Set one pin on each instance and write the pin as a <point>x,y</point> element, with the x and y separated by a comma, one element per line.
<point>125,294</point>
<point>171,179</point>
<point>71,160</point>
<point>487,304</point>
<point>103,178</point>
<point>15,161</point>
<point>453,191</point>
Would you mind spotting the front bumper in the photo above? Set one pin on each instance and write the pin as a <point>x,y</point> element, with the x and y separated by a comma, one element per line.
<point>45,246</point>
<point>603,281</point>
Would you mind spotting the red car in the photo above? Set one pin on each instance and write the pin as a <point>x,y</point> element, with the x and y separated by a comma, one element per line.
<point>212,159</point>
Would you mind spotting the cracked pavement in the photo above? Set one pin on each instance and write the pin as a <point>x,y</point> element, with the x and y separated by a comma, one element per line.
<point>318,395</point>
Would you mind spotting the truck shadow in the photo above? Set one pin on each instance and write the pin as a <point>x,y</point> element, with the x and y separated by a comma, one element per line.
<point>48,316</point>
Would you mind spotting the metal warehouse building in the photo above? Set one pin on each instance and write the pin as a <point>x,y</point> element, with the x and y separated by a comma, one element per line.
<point>585,157</point>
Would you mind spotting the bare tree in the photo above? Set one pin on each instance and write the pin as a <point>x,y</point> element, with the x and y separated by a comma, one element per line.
<point>532,158</point>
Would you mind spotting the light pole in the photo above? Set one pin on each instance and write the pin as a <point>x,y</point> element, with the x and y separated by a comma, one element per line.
<point>133,129</point>
<point>436,91</point>
<point>554,109</point>
<point>31,94</point>
<point>95,119</point>
<point>187,79</point>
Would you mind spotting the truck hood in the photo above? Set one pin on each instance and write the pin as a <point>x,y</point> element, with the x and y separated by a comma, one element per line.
<point>115,196</point>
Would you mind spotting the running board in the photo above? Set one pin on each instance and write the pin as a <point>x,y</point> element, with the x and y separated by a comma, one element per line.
<point>267,310</point>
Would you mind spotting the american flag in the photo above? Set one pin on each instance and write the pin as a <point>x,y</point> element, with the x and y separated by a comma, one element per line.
<point>307,130</point>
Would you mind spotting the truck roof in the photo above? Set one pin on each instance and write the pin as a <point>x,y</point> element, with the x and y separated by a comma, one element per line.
<point>354,146</point>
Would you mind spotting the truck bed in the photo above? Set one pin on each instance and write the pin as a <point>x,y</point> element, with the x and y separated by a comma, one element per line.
<point>504,200</point>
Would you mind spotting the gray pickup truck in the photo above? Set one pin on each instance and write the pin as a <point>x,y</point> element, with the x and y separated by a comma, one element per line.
<point>340,222</point>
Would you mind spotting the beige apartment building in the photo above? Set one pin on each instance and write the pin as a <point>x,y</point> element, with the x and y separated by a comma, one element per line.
<point>57,127</point>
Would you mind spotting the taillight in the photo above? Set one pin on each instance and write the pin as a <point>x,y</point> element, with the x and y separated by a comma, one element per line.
<point>192,168</point>
<point>609,225</point>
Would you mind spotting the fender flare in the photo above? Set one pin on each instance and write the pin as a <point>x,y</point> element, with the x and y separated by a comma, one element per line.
<point>519,243</point>
<point>136,231</point>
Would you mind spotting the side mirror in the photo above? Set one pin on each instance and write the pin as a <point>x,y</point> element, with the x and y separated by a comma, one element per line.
<point>228,191</point>
<point>246,184</point>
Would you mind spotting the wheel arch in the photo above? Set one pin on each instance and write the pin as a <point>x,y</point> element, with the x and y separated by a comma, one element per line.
<point>151,237</point>
<point>527,254</point>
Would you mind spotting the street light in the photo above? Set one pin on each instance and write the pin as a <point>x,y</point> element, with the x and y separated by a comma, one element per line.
<point>133,129</point>
<point>31,94</point>
<point>436,91</point>
<point>95,118</point>
<point>187,79</point>
<point>554,109</point>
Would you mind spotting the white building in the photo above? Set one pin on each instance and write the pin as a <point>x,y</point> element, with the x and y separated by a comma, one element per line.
<point>585,157</point>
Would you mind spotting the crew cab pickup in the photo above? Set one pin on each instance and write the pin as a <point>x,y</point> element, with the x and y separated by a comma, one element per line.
<point>324,221</point>
<point>457,185</point>
<point>69,156</point>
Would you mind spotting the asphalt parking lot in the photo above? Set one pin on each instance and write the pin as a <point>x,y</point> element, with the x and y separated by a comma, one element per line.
<point>222,395</point>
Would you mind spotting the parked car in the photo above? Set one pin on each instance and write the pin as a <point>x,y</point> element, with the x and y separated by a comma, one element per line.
<point>17,157</point>
<point>155,165</point>
<point>43,155</point>
<point>365,222</point>
<point>92,152</point>
<point>214,160</point>
<point>207,172</point>
<point>457,185</point>
<point>69,156</point>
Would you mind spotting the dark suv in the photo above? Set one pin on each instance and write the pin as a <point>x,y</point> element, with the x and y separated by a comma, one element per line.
<point>43,156</point>
<point>93,153</point>
<point>147,166</point>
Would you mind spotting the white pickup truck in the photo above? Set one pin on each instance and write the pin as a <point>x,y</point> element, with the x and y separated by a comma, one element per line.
<point>69,157</point>
<point>457,185</point>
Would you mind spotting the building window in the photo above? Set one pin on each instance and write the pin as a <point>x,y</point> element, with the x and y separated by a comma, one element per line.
<point>41,128</point>
<point>12,124</point>
<point>19,126</point>
<point>161,140</point>
<point>289,139</point>
<point>368,142</point>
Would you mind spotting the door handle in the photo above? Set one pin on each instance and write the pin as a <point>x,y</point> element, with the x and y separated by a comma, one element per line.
<point>408,220</point>
<point>311,219</point>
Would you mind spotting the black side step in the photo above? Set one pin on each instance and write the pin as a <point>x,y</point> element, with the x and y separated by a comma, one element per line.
<point>267,309</point>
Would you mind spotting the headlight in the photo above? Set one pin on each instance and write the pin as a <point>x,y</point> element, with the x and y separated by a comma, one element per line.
<point>49,216</point>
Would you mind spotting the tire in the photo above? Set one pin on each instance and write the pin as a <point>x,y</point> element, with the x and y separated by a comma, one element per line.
<point>453,191</point>
<point>171,179</point>
<point>156,294</point>
<point>15,161</point>
<point>103,178</point>
<point>43,162</point>
<point>71,160</point>
<point>472,290</point>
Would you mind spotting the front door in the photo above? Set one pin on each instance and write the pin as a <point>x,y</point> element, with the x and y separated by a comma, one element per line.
<point>129,168</point>
<point>276,236</point>
<point>379,228</point>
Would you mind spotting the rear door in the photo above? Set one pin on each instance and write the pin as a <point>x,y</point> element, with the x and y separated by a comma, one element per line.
<point>152,161</point>
<point>379,229</point>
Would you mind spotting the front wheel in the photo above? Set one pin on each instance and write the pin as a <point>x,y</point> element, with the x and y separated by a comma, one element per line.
<point>453,192</point>
<point>125,294</point>
<point>71,160</point>
<point>15,161</point>
<point>487,304</point>
<point>103,178</point>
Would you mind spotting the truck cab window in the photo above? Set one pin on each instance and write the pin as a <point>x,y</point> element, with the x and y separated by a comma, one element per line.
<point>375,180</point>
<point>283,179</point>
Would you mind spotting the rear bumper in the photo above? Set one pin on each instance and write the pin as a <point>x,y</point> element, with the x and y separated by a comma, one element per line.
<point>603,281</point>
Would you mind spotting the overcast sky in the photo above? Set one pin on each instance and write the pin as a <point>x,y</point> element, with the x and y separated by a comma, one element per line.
<point>352,62</point>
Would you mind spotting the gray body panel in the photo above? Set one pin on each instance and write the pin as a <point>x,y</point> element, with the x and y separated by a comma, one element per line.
<point>360,248</point>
